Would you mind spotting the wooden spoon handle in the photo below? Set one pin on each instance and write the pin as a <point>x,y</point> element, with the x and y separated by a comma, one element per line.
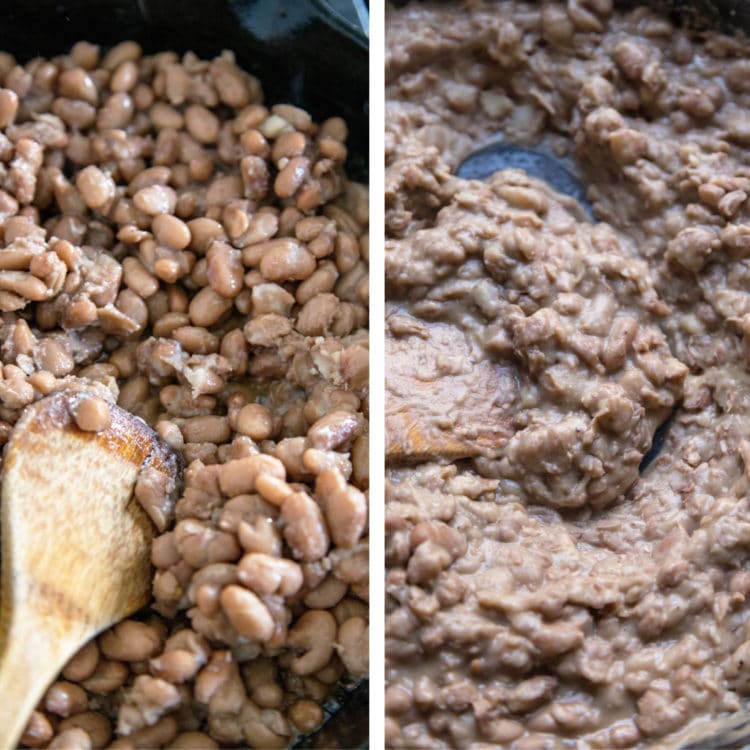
<point>29,663</point>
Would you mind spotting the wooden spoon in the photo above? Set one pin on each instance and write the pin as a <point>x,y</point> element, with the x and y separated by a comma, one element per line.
<point>442,399</point>
<point>75,542</point>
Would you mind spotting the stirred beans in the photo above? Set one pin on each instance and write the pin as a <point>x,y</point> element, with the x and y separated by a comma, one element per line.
<point>176,247</point>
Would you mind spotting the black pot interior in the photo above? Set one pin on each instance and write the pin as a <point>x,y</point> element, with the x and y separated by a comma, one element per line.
<point>727,15</point>
<point>303,51</point>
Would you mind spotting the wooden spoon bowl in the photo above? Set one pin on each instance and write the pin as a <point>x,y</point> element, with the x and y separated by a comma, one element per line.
<point>75,542</point>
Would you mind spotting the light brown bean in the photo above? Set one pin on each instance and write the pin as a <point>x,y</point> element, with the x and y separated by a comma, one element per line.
<point>125,77</point>
<point>247,613</point>
<point>202,124</point>
<point>206,429</point>
<point>267,575</point>
<point>224,269</point>
<point>306,715</point>
<point>194,339</point>
<point>77,84</point>
<point>71,739</point>
<point>171,231</point>
<point>92,414</point>
<point>255,421</point>
<point>290,178</point>
<point>305,530</point>
<point>203,232</point>
<point>155,199</point>
<point>8,107</point>
<point>120,53</point>
<point>83,663</point>
<point>230,84</point>
<point>285,260</point>
<point>116,113</point>
<point>136,277</point>
<point>240,475</point>
<point>38,732</point>
<point>107,677</point>
<point>207,307</point>
<point>353,645</point>
<point>315,632</point>
<point>65,698</point>
<point>192,741</point>
<point>131,640</point>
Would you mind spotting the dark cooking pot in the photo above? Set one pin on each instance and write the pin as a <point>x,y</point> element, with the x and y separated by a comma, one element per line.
<point>312,53</point>
<point>728,15</point>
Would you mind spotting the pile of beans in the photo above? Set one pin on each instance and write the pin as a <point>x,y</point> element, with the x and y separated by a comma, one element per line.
<point>203,257</point>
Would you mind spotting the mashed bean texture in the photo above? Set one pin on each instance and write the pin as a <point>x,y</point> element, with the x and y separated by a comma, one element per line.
<point>541,592</point>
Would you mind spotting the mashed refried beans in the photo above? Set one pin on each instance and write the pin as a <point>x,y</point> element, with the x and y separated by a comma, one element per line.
<point>542,592</point>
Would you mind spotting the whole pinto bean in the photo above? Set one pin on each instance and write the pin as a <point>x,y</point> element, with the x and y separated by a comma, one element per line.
<point>335,429</point>
<point>224,270</point>
<point>156,735</point>
<point>265,728</point>
<point>285,259</point>
<point>345,508</point>
<point>267,575</point>
<point>38,731</point>
<point>259,536</point>
<point>96,187</point>
<point>230,83</point>
<point>107,677</point>
<point>200,544</point>
<point>255,421</point>
<point>306,715</point>
<point>240,475</point>
<point>155,199</point>
<point>117,112</point>
<point>206,429</point>
<point>65,698</point>
<point>77,84</point>
<point>260,677</point>
<point>171,231</point>
<point>207,584</point>
<point>247,613</point>
<point>131,640</point>
<point>304,527</point>
<point>290,178</point>
<point>327,594</point>
<point>8,107</point>
<point>208,307</point>
<point>83,663</point>
<point>192,741</point>
<point>353,645</point>
<point>314,633</point>
<point>95,725</point>
<point>201,123</point>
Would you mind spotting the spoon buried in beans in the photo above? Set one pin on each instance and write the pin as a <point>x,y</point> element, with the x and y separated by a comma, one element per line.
<point>75,538</point>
